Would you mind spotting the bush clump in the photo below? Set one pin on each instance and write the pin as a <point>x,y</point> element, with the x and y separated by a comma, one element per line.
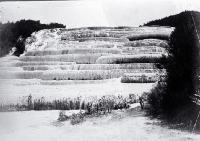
<point>77,118</point>
<point>177,100</point>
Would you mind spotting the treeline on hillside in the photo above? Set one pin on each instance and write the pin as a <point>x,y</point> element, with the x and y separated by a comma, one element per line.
<point>14,34</point>
<point>177,99</point>
<point>175,20</point>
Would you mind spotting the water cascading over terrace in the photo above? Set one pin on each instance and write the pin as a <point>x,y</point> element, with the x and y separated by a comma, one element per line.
<point>62,56</point>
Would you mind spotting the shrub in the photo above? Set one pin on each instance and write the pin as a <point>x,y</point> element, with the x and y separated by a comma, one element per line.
<point>155,99</point>
<point>77,118</point>
<point>62,116</point>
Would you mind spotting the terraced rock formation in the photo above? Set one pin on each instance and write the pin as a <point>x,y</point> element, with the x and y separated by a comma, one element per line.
<point>56,56</point>
<point>91,54</point>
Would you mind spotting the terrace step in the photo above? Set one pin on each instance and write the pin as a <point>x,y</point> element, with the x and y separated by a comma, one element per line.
<point>71,74</point>
<point>143,50</point>
<point>74,51</point>
<point>78,58</point>
<point>139,78</point>
<point>139,66</point>
<point>136,58</point>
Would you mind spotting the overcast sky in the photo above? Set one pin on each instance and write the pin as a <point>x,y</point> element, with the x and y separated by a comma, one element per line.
<point>80,13</point>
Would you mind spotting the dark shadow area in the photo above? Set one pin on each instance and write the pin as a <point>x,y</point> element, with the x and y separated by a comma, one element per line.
<point>176,100</point>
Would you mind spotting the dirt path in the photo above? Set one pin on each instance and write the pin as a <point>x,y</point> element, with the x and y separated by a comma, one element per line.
<point>118,126</point>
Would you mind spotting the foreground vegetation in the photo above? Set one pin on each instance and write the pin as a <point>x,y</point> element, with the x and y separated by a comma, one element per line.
<point>81,108</point>
<point>177,99</point>
<point>14,34</point>
<point>91,105</point>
